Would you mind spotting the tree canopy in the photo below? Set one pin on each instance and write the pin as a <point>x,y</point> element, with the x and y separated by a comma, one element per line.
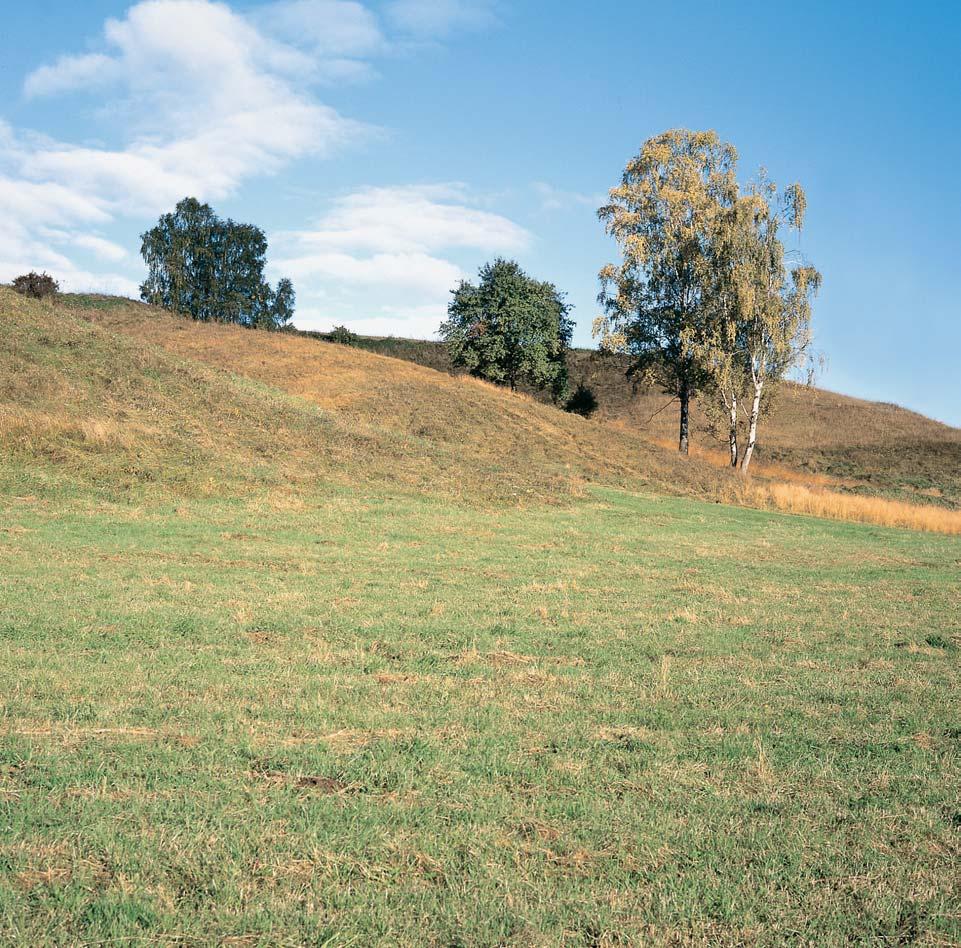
<point>703,299</point>
<point>659,302</point>
<point>510,329</point>
<point>212,270</point>
<point>763,324</point>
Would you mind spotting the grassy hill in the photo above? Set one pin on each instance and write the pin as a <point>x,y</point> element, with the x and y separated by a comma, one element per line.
<point>872,448</point>
<point>307,646</point>
<point>106,384</point>
<point>428,429</point>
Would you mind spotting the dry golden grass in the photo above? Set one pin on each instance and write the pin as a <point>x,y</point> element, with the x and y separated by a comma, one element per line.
<point>812,434</point>
<point>421,427</point>
<point>768,469</point>
<point>793,491</point>
<point>818,502</point>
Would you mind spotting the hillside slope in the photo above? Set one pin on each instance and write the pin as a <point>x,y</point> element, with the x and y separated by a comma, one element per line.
<point>111,393</point>
<point>110,390</point>
<point>868,447</point>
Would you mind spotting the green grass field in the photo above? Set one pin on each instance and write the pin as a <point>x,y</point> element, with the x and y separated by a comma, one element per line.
<point>358,718</point>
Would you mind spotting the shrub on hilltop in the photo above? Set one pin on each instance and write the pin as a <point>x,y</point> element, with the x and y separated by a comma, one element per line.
<point>37,286</point>
<point>342,335</point>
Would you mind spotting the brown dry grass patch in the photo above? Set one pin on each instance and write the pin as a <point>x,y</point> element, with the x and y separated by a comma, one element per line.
<point>74,396</point>
<point>818,502</point>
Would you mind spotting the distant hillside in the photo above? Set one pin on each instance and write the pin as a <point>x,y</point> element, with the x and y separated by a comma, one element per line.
<point>108,391</point>
<point>112,395</point>
<point>864,447</point>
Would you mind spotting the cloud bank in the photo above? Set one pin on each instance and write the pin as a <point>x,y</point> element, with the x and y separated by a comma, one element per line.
<point>200,99</point>
<point>395,244</point>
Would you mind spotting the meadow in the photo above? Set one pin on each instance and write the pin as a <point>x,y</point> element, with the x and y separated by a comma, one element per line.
<point>301,645</point>
<point>378,718</point>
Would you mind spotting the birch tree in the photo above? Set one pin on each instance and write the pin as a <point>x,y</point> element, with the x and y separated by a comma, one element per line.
<point>212,269</point>
<point>762,327</point>
<point>659,303</point>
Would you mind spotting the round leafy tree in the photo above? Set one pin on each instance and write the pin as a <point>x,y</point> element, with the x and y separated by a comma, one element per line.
<point>510,329</point>
<point>212,269</point>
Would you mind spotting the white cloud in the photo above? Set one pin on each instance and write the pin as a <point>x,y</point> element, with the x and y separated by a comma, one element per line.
<point>556,199</point>
<point>100,247</point>
<point>210,100</point>
<point>412,219</point>
<point>401,271</point>
<point>23,250</point>
<point>335,39</point>
<point>336,28</point>
<point>409,322</point>
<point>144,177</point>
<point>383,256</point>
<point>69,73</point>
<point>199,98</point>
<point>439,18</point>
<point>204,99</point>
<point>185,57</point>
<point>47,202</point>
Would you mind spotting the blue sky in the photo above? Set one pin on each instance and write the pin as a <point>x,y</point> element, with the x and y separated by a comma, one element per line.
<point>389,148</point>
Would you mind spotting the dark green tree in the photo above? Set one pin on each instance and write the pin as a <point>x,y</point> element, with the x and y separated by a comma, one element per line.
<point>582,402</point>
<point>212,270</point>
<point>510,329</point>
<point>282,309</point>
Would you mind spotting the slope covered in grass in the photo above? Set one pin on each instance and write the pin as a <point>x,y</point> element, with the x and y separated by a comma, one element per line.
<point>318,411</point>
<point>109,391</point>
<point>116,390</point>
<point>81,405</point>
<point>265,678</point>
<point>866,447</point>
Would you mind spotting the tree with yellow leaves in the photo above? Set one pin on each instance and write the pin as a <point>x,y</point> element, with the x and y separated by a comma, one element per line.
<point>669,215</point>
<point>762,316</point>
<point>704,300</point>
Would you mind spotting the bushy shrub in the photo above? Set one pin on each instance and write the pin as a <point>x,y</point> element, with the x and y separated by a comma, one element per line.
<point>37,286</point>
<point>582,402</point>
<point>343,335</point>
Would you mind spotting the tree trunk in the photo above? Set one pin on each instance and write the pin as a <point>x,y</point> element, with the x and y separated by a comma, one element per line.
<point>732,431</point>
<point>752,431</point>
<point>685,396</point>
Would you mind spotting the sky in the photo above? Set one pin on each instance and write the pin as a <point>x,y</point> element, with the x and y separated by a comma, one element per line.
<point>390,148</point>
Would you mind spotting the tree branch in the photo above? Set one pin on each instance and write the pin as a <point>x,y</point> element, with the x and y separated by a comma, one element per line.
<point>668,405</point>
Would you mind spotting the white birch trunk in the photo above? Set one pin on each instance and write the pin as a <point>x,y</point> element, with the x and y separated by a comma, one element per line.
<point>732,431</point>
<point>685,396</point>
<point>752,430</point>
